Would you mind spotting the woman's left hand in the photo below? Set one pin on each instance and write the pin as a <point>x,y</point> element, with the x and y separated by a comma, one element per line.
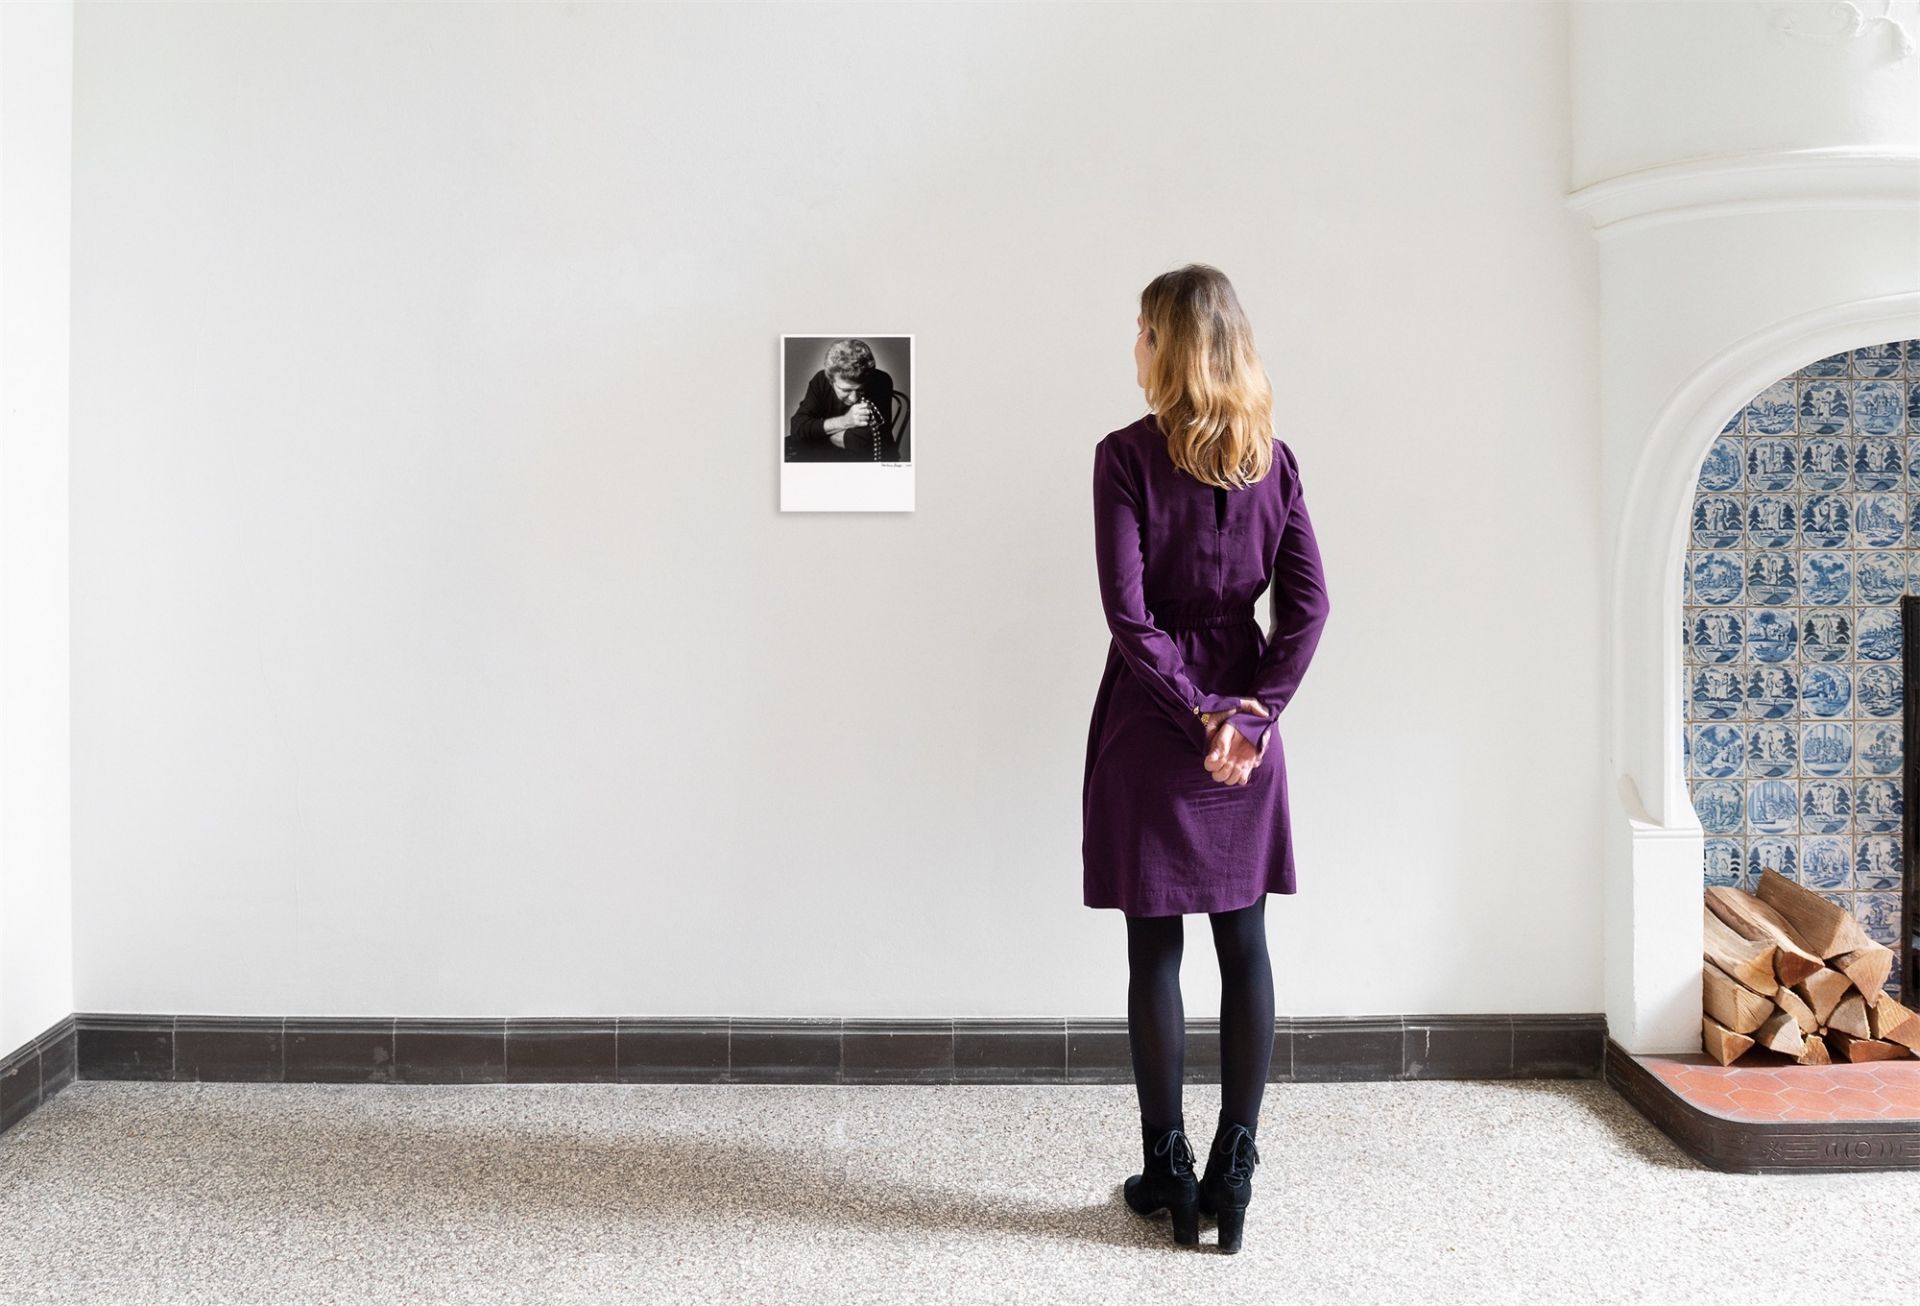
<point>1231,759</point>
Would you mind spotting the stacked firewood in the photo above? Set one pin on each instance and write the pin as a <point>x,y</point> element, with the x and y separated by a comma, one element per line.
<point>1790,970</point>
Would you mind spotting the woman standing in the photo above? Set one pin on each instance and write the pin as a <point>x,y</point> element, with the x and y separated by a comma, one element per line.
<point>1197,509</point>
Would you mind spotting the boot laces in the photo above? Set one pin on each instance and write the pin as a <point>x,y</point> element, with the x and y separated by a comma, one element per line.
<point>1174,1146</point>
<point>1240,1152</point>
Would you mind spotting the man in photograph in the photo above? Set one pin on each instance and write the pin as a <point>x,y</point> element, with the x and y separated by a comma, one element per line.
<point>845,414</point>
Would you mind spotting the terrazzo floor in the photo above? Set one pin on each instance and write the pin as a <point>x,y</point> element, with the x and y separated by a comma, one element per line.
<point>1529,1191</point>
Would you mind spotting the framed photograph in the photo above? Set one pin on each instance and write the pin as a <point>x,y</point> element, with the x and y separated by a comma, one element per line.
<point>846,423</point>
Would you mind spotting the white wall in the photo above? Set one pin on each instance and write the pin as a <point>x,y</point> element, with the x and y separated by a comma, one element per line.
<point>438,648</point>
<point>36,909</point>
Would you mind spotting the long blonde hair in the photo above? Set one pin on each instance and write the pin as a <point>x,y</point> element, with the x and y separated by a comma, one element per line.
<point>1205,383</point>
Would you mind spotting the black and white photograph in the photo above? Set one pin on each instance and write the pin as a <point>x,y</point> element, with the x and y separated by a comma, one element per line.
<point>846,422</point>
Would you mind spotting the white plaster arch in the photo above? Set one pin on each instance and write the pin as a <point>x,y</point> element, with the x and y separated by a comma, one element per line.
<point>1650,553</point>
<point>1652,898</point>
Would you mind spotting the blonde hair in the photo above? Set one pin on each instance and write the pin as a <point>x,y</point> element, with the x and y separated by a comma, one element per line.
<point>1205,383</point>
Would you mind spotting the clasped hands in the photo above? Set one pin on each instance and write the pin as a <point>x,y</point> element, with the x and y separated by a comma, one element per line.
<point>1231,759</point>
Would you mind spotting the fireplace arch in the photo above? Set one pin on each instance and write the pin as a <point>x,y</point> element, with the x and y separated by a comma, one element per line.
<point>1653,900</point>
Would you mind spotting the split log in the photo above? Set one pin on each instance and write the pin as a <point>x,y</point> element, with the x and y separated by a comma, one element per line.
<point>1782,1035</point>
<point>1750,918</point>
<point>1868,968</point>
<point>1732,1003</point>
<point>1850,1017</point>
<point>1822,991</point>
<point>1866,1049</point>
<point>1794,1005</point>
<point>1887,1019</point>
<point>1747,960</point>
<point>1721,1043</point>
<point>1815,1052</point>
<point>1818,925</point>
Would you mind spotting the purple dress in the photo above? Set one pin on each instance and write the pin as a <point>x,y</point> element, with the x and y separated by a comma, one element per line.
<point>1181,565</point>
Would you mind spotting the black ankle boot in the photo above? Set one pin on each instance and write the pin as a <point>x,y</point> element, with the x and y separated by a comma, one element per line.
<point>1167,1181</point>
<point>1227,1186</point>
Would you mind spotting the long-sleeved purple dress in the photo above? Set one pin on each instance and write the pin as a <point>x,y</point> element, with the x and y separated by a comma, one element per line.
<point>1181,565</point>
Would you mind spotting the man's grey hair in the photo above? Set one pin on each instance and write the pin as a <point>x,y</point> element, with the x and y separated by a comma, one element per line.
<point>849,358</point>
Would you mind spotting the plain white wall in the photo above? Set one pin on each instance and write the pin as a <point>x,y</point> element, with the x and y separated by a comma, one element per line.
<point>36,889</point>
<point>438,648</point>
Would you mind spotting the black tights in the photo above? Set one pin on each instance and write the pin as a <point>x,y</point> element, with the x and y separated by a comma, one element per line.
<point>1156,1020</point>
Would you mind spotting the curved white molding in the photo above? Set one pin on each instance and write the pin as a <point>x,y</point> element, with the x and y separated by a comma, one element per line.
<point>1650,549</point>
<point>1842,21</point>
<point>1840,177</point>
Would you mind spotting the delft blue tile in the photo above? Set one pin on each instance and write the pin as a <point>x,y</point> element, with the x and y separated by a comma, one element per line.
<point>1826,413</point>
<point>1826,521</point>
<point>1826,635</point>
<point>1720,805</point>
<point>1716,635</point>
<point>1877,634</point>
<point>1775,854</point>
<point>1878,807</point>
<point>1872,360</point>
<point>1826,747</point>
<point>1832,365</point>
<point>1772,464</point>
<point>1882,577</point>
<point>1717,750</point>
<point>1878,690</point>
<point>1826,578</point>
<point>1826,862</point>
<point>1770,692</point>
<point>1771,635</point>
<point>1876,862</point>
<point>1772,577</point>
<point>1724,468</point>
<point>1826,690</point>
<point>1879,916</point>
<point>1826,807</point>
<point>1880,519</point>
<point>1725,862</point>
<point>1878,407</point>
<point>1774,411</point>
<point>1879,748</point>
<point>1773,521</point>
<point>1717,693</point>
<point>1878,461</point>
<point>1718,577</point>
<point>1773,807</point>
<point>1771,749</point>
<point>1718,521</point>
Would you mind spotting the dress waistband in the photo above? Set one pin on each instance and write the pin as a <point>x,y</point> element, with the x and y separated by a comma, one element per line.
<point>1183,614</point>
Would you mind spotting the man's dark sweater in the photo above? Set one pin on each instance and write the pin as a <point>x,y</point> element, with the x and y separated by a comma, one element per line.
<point>808,439</point>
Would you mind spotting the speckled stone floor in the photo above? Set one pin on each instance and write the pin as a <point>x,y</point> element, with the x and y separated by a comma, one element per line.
<point>1426,1191</point>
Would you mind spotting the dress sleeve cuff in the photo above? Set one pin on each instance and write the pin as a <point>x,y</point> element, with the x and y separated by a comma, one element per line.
<point>1252,727</point>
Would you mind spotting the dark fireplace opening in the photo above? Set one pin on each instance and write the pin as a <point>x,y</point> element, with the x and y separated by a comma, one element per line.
<point>1907,967</point>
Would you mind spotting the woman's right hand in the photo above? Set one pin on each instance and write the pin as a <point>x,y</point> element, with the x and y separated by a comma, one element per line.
<point>1231,759</point>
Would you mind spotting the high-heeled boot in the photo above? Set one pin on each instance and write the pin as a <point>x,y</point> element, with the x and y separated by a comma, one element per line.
<point>1227,1186</point>
<point>1166,1182</point>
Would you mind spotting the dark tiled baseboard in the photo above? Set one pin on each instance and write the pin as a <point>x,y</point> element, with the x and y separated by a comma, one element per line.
<point>32,1074</point>
<point>1761,1146</point>
<point>829,1050</point>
